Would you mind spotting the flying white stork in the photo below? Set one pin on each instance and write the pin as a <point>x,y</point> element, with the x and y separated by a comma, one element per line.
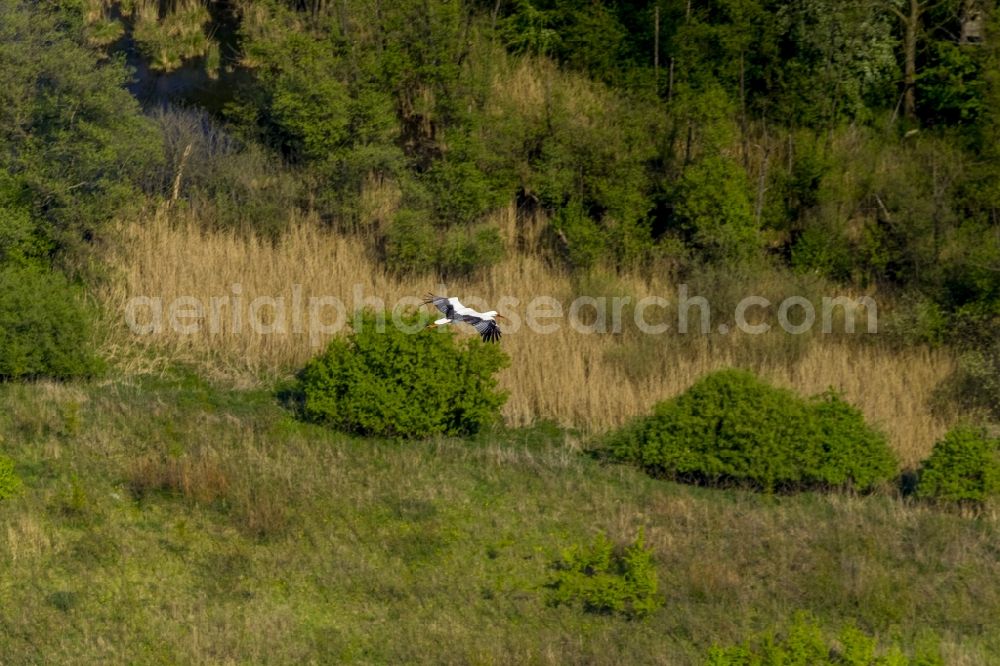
<point>484,322</point>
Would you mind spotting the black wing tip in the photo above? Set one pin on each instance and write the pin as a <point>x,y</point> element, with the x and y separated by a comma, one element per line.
<point>492,334</point>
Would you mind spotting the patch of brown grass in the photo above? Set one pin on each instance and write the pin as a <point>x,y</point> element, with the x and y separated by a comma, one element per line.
<point>242,483</point>
<point>199,478</point>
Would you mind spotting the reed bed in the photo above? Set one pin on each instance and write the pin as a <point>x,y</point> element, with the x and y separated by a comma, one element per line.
<point>589,381</point>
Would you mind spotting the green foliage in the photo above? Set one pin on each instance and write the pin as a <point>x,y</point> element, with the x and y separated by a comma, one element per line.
<point>467,251</point>
<point>71,133</point>
<point>45,327</point>
<point>713,208</point>
<point>169,40</point>
<point>384,381</point>
<point>771,133</point>
<point>232,184</point>
<point>410,244</point>
<point>951,86</point>
<point>323,106</point>
<point>820,249</point>
<point>763,127</point>
<point>843,67</point>
<point>583,240</point>
<point>732,427</point>
<point>606,579</point>
<point>917,319</point>
<point>413,245</point>
<point>9,481</point>
<point>976,383</point>
<point>963,467</point>
<point>589,173</point>
<point>848,451</point>
<point>864,210</point>
<point>971,280</point>
<point>460,187</point>
<point>811,63</point>
<point>308,104</point>
<point>588,37</point>
<point>527,29</point>
<point>19,235</point>
<point>582,156</point>
<point>804,644</point>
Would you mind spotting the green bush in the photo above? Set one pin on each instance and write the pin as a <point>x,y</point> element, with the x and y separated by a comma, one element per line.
<point>460,192</point>
<point>392,383</point>
<point>9,483</point>
<point>410,245</point>
<point>963,467</point>
<point>466,251</point>
<point>714,210</point>
<point>732,427</point>
<point>44,326</point>
<point>848,451</point>
<point>607,580</point>
<point>823,250</point>
<point>167,41</point>
<point>804,644</point>
<point>581,238</point>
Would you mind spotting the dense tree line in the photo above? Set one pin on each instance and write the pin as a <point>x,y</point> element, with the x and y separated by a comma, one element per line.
<point>856,140</point>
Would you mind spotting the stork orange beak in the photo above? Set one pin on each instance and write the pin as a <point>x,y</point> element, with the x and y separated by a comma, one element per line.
<point>500,316</point>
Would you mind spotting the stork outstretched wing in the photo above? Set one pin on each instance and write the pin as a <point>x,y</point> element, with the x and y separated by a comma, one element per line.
<point>446,305</point>
<point>487,328</point>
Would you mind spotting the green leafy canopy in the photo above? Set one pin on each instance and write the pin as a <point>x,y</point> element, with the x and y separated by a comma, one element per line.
<point>386,380</point>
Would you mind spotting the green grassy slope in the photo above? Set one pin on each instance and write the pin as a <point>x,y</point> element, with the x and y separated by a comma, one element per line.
<point>173,522</point>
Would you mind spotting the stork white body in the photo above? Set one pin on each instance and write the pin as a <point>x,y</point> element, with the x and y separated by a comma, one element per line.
<point>453,310</point>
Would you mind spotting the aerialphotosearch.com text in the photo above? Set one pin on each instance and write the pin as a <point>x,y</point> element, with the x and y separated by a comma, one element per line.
<point>321,316</point>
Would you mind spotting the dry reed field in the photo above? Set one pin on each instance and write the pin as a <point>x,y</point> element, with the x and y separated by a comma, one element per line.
<point>588,381</point>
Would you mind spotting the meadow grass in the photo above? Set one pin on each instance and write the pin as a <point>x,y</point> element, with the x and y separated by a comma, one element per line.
<point>591,382</point>
<point>167,520</point>
<point>174,512</point>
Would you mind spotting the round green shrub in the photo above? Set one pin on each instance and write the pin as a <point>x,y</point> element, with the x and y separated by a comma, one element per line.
<point>384,381</point>
<point>963,467</point>
<point>9,482</point>
<point>44,326</point>
<point>732,427</point>
<point>848,451</point>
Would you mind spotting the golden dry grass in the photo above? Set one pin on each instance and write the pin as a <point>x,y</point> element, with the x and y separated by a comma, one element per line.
<point>588,381</point>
